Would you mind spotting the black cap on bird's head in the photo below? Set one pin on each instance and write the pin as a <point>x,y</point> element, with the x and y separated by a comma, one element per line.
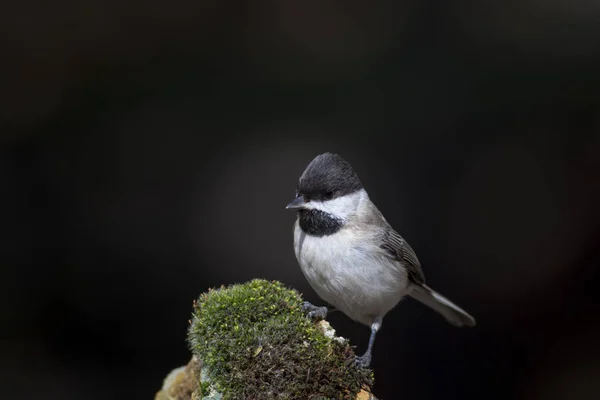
<point>328,176</point>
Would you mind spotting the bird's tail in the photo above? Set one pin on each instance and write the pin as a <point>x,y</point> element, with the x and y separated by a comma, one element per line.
<point>453,313</point>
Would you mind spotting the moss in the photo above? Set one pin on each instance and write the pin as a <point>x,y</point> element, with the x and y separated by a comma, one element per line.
<point>256,343</point>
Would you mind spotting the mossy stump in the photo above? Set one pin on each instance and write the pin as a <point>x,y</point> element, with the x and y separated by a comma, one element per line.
<point>253,341</point>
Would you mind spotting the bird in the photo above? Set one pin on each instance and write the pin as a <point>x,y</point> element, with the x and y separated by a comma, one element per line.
<point>351,256</point>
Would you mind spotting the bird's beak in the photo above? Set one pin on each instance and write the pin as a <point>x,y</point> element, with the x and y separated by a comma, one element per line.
<point>296,204</point>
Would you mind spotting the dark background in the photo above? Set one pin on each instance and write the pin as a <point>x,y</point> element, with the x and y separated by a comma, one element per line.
<point>148,150</point>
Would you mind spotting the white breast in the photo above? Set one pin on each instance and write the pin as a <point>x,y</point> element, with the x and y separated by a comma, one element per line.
<point>350,273</point>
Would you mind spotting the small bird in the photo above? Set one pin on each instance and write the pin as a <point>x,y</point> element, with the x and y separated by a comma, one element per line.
<point>351,256</point>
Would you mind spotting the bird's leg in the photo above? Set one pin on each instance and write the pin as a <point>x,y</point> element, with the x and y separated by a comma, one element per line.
<point>315,312</point>
<point>365,360</point>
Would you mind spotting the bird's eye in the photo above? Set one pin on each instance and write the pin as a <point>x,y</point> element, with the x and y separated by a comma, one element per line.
<point>328,195</point>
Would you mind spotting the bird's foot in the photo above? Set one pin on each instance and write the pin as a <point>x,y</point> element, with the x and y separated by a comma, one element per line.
<point>314,312</point>
<point>363,361</point>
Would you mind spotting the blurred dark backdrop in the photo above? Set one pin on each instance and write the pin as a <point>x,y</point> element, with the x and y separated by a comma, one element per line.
<point>148,150</point>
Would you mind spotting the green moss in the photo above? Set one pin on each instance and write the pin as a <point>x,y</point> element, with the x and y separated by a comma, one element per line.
<point>255,342</point>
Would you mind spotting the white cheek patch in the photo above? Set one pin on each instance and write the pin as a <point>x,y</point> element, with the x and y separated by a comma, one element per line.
<point>341,207</point>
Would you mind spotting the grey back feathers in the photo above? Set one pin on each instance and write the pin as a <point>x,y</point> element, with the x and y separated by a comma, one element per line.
<point>399,249</point>
<point>328,176</point>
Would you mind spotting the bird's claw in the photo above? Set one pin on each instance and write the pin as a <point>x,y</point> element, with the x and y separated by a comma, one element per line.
<point>362,361</point>
<point>321,313</point>
<point>314,312</point>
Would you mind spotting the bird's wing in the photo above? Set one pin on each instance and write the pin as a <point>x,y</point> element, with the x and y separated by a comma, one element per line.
<point>396,246</point>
